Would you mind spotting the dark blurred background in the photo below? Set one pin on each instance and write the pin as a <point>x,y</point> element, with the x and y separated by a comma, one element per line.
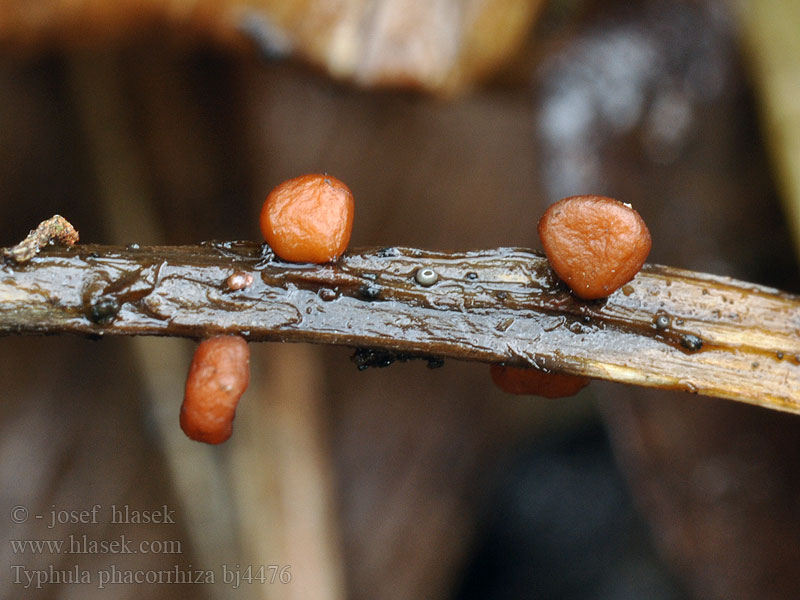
<point>455,123</point>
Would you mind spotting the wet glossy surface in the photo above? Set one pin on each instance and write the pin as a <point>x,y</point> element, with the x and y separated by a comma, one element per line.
<point>668,328</point>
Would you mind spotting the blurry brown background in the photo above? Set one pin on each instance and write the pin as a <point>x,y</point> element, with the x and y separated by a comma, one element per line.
<point>455,124</point>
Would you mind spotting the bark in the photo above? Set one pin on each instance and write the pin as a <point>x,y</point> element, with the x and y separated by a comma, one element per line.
<point>668,328</point>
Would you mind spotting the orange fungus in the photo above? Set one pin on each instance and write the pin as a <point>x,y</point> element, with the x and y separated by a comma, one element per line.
<point>308,219</point>
<point>536,383</point>
<point>218,376</point>
<point>594,244</point>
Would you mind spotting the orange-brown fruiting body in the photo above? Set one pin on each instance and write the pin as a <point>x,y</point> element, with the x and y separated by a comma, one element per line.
<point>218,376</point>
<point>595,244</point>
<point>308,219</point>
<point>536,383</point>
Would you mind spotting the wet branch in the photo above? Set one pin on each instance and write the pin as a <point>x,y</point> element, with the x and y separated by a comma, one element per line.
<point>668,328</point>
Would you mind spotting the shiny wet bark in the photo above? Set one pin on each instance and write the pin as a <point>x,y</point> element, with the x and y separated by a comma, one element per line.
<point>668,328</point>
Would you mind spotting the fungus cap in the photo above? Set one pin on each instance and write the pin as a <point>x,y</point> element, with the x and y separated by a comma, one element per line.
<point>308,218</point>
<point>594,244</point>
<point>532,382</point>
<point>218,376</point>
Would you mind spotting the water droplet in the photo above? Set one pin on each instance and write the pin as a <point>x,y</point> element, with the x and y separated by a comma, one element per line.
<point>662,321</point>
<point>426,276</point>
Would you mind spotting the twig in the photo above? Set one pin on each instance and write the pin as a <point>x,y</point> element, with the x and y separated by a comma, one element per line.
<point>668,328</point>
